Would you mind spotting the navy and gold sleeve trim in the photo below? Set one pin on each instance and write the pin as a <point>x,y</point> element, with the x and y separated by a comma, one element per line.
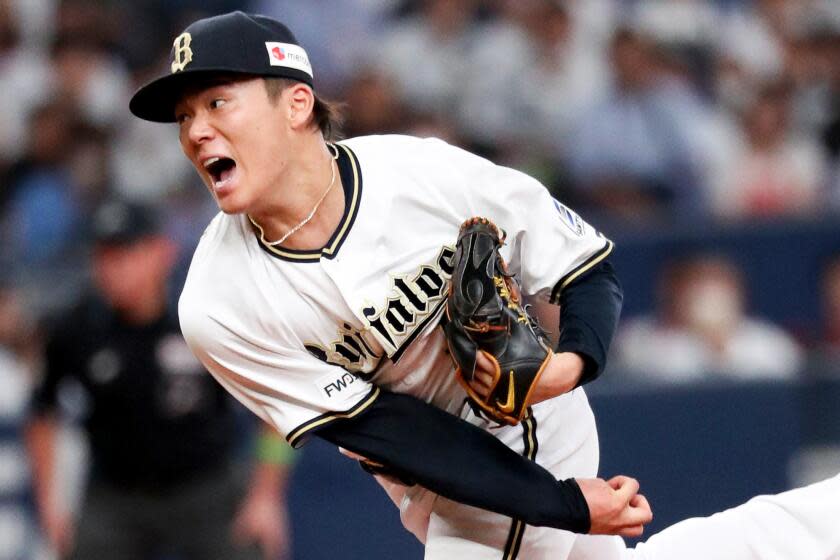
<point>351,180</point>
<point>295,437</point>
<point>582,268</point>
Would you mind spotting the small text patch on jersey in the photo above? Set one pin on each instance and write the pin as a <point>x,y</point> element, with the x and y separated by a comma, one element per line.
<point>288,55</point>
<point>333,384</point>
<point>570,218</point>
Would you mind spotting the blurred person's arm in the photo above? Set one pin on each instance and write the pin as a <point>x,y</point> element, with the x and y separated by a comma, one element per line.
<point>55,518</point>
<point>263,515</point>
<point>42,440</point>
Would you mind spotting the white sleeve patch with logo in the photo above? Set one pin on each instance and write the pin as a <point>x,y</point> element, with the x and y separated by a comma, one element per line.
<point>570,218</point>
<point>288,56</point>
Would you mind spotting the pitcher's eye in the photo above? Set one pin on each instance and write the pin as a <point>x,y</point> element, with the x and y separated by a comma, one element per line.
<point>216,103</point>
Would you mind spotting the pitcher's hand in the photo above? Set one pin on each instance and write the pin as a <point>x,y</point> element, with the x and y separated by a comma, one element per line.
<point>615,506</point>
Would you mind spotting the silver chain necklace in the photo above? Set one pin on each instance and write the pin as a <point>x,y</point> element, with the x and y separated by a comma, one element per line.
<point>304,221</point>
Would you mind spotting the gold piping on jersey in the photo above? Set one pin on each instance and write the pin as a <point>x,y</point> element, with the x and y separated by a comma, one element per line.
<point>351,180</point>
<point>295,436</point>
<point>576,272</point>
<point>517,528</point>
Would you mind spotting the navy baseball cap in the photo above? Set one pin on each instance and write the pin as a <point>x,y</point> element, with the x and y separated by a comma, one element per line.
<point>232,43</point>
<point>122,223</point>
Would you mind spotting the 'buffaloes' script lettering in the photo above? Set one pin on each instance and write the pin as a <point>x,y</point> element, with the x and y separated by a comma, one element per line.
<point>349,351</point>
<point>411,300</point>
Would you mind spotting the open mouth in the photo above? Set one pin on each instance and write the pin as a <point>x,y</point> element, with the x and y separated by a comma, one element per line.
<point>220,170</point>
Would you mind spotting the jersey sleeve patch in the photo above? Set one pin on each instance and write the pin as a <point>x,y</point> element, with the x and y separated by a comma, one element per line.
<point>570,218</point>
<point>332,384</point>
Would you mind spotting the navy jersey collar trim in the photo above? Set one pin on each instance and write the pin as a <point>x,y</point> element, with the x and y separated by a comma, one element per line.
<point>351,180</point>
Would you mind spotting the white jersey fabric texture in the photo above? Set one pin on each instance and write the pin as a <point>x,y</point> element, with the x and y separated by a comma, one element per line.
<point>305,337</point>
<point>302,337</point>
<point>800,524</point>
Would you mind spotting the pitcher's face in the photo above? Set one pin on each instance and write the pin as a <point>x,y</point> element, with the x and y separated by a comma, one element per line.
<point>238,140</point>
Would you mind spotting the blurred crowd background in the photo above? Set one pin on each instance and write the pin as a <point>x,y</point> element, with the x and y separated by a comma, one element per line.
<point>703,136</point>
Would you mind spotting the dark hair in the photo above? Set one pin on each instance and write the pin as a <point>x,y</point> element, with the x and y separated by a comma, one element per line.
<point>326,115</point>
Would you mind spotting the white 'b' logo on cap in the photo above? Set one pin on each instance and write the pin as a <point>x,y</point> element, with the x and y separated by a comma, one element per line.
<point>183,52</point>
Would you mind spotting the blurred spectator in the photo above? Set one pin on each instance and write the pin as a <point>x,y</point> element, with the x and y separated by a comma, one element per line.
<point>42,210</point>
<point>87,73</point>
<point>830,131</point>
<point>63,173</point>
<point>435,126</point>
<point>163,433</point>
<point>36,20</point>
<point>826,345</point>
<point>427,54</point>
<point>89,165</point>
<point>147,163</point>
<point>373,105</point>
<point>94,19</point>
<point>808,68</point>
<point>750,38</point>
<point>701,329</point>
<point>682,21</point>
<point>771,40</point>
<point>685,28</point>
<point>17,362</point>
<point>637,153</point>
<point>773,171</point>
<point>529,74</point>
<point>24,75</point>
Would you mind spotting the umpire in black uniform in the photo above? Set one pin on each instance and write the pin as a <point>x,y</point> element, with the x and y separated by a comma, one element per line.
<point>162,432</point>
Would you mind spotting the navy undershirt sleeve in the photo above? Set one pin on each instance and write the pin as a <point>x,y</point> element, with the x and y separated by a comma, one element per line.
<point>589,311</point>
<point>459,461</point>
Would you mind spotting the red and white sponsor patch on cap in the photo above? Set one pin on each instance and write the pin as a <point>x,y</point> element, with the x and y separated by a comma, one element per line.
<point>288,55</point>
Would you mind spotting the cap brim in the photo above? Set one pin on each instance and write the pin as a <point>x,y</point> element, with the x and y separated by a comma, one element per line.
<point>156,100</point>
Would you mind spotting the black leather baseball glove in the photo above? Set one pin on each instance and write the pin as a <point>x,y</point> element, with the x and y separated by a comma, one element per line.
<point>484,313</point>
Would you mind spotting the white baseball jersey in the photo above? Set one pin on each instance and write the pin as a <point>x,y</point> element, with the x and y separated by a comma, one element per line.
<point>304,337</point>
